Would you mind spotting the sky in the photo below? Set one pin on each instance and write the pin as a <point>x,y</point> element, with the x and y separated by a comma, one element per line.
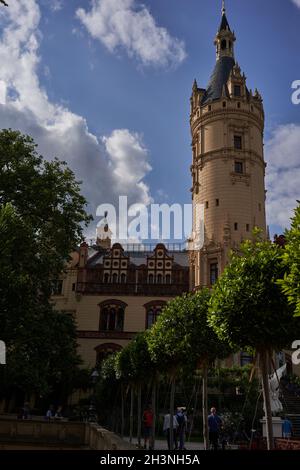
<point>105,85</point>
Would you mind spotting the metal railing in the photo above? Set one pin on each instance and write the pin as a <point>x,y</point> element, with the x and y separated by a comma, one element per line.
<point>148,247</point>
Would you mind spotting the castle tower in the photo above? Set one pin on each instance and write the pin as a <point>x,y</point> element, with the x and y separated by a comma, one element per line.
<point>228,169</point>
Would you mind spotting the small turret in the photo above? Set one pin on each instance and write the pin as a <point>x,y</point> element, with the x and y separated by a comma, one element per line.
<point>104,234</point>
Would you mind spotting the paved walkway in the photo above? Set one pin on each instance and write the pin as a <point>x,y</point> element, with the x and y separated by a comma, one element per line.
<point>162,444</point>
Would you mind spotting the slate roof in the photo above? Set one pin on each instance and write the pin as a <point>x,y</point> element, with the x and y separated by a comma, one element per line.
<point>218,79</point>
<point>97,257</point>
<point>224,24</point>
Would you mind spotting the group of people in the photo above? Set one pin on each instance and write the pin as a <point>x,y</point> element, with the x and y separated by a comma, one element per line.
<point>179,428</point>
<point>54,414</point>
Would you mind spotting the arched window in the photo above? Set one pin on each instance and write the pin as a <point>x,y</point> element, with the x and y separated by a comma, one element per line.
<point>223,44</point>
<point>105,350</point>
<point>115,278</point>
<point>123,278</point>
<point>112,316</point>
<point>151,279</point>
<point>106,278</point>
<point>159,279</point>
<point>153,310</point>
<point>168,278</point>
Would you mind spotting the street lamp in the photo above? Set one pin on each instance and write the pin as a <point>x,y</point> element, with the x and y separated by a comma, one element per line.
<point>92,416</point>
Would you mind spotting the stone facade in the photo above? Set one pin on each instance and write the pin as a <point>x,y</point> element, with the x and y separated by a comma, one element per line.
<point>228,167</point>
<point>113,294</point>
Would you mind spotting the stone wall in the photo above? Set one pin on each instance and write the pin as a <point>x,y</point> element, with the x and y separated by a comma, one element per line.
<point>57,435</point>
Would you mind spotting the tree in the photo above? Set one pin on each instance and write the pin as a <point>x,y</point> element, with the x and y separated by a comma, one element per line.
<point>41,217</point>
<point>134,366</point>
<point>46,196</point>
<point>249,310</point>
<point>4,3</point>
<point>182,339</point>
<point>291,257</point>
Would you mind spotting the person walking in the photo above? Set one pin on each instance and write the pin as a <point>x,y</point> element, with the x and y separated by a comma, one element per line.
<point>182,423</point>
<point>214,426</point>
<point>148,427</point>
<point>166,429</point>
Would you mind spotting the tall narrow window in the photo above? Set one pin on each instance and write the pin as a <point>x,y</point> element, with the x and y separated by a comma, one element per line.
<point>115,278</point>
<point>214,273</point>
<point>159,279</point>
<point>217,202</point>
<point>150,279</point>
<point>238,142</point>
<point>237,90</point>
<point>57,287</point>
<point>238,167</point>
<point>236,226</point>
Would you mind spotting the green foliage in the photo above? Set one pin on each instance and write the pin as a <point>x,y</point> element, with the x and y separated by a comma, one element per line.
<point>248,308</point>
<point>182,337</point>
<point>46,196</point>
<point>41,217</point>
<point>133,363</point>
<point>291,258</point>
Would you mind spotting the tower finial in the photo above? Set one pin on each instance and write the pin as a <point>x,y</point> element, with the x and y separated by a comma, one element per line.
<point>223,7</point>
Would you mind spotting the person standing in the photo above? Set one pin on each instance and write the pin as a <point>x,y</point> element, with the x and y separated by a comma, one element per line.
<point>287,428</point>
<point>214,426</point>
<point>148,426</point>
<point>166,429</point>
<point>181,430</point>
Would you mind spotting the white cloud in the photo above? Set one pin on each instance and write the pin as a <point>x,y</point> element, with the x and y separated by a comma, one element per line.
<point>125,24</point>
<point>283,174</point>
<point>109,167</point>
<point>296,2</point>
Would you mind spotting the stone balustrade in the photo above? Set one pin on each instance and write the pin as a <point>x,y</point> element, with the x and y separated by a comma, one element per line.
<point>57,435</point>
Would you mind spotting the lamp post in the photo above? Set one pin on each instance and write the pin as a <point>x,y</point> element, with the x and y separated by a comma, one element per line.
<point>92,415</point>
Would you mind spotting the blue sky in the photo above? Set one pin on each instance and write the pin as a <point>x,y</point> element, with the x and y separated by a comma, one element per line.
<point>106,86</point>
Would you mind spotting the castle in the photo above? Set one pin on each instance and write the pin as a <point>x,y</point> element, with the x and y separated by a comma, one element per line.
<point>113,292</point>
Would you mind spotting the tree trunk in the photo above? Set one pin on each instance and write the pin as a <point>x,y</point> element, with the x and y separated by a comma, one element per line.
<point>139,423</point>
<point>205,405</point>
<point>172,405</point>
<point>131,413</point>
<point>154,412</point>
<point>266,394</point>
<point>122,412</point>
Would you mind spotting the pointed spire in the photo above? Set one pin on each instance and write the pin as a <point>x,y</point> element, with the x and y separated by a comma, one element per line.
<point>223,7</point>
<point>224,23</point>
<point>195,85</point>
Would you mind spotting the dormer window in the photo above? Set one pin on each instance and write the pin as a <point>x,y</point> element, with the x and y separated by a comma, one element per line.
<point>237,90</point>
